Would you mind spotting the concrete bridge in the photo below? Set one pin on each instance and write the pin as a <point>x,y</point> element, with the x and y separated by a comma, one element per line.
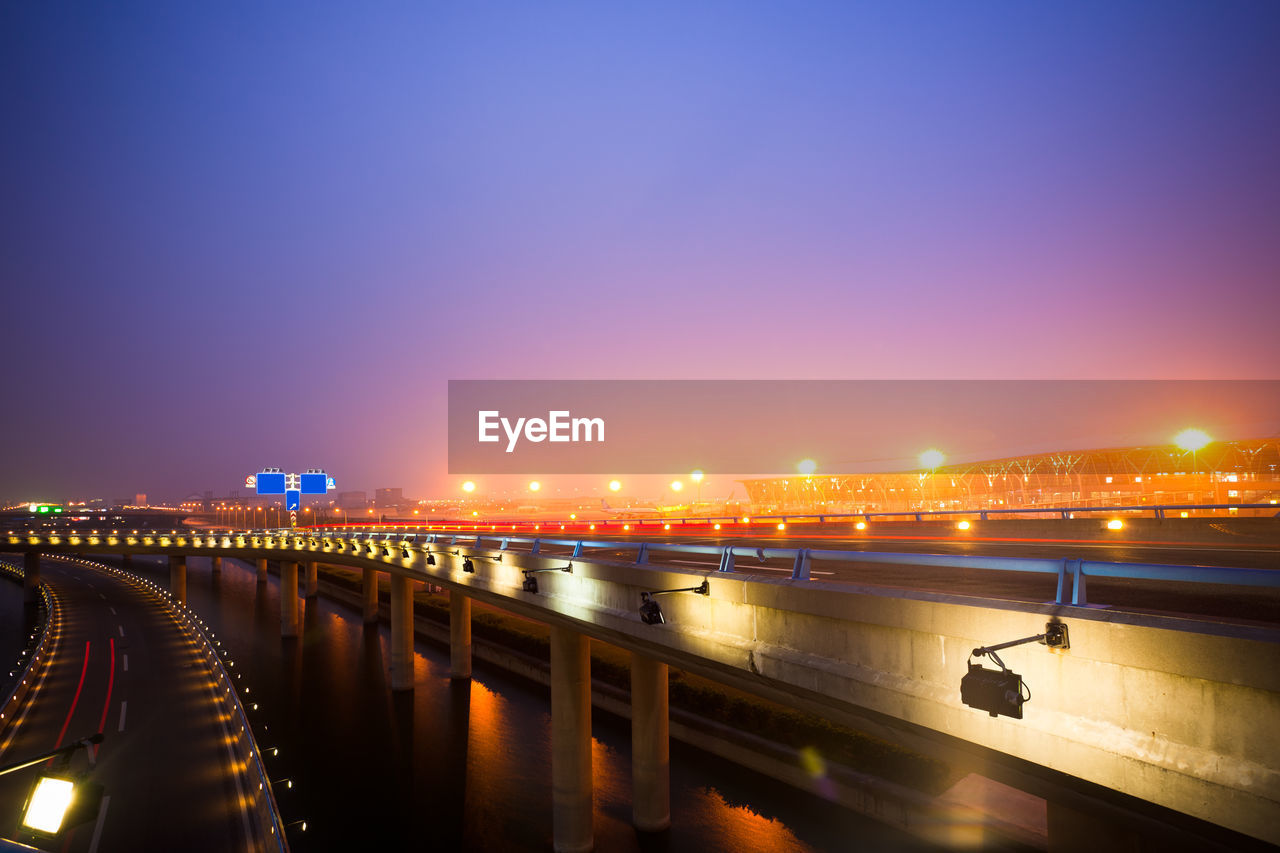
<point>1175,712</point>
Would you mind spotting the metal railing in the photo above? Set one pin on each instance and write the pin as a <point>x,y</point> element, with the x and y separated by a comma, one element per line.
<point>245,745</point>
<point>32,658</point>
<point>1159,511</point>
<point>802,559</point>
<point>1072,573</point>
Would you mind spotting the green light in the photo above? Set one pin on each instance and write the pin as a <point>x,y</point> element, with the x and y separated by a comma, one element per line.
<point>43,509</point>
<point>57,509</point>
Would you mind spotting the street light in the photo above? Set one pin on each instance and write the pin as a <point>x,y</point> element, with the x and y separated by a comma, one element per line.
<point>615,485</point>
<point>807,467</point>
<point>1192,439</point>
<point>696,475</point>
<point>651,613</point>
<point>932,458</point>
<point>676,485</point>
<point>58,793</point>
<point>534,485</point>
<point>468,486</point>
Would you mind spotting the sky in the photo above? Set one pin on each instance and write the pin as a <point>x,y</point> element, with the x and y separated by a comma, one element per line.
<point>236,235</point>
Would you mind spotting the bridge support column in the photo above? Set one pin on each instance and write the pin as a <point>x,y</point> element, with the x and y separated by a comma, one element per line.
<point>288,598</point>
<point>571,783</point>
<point>459,635</point>
<point>650,745</point>
<point>313,578</point>
<point>31,578</point>
<point>262,571</point>
<point>1074,830</point>
<point>215,567</point>
<point>401,633</point>
<point>126,562</point>
<point>178,578</point>
<point>370,590</point>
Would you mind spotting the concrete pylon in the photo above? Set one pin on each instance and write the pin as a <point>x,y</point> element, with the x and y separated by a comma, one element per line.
<point>459,635</point>
<point>178,578</point>
<point>288,599</point>
<point>370,591</point>
<point>401,633</point>
<point>313,578</point>
<point>215,566</point>
<point>571,783</point>
<point>650,745</point>
<point>262,570</point>
<point>31,577</point>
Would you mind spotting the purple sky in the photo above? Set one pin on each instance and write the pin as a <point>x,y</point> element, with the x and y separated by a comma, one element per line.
<point>245,234</point>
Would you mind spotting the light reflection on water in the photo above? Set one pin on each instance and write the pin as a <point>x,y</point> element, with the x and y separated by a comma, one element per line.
<point>466,766</point>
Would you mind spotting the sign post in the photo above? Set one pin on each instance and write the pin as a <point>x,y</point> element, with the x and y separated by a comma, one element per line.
<point>273,481</point>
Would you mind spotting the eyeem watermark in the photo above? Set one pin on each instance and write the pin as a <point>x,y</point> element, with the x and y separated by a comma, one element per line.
<point>558,426</point>
<point>760,427</point>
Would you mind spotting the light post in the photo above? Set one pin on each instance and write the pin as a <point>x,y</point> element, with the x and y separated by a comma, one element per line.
<point>58,793</point>
<point>932,459</point>
<point>696,475</point>
<point>806,467</point>
<point>1191,440</point>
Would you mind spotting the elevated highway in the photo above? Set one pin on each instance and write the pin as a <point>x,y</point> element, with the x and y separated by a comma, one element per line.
<point>1173,711</point>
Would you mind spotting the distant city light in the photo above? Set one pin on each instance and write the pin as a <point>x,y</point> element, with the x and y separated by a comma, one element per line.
<point>614,485</point>
<point>468,486</point>
<point>1192,439</point>
<point>807,467</point>
<point>534,485</point>
<point>932,458</point>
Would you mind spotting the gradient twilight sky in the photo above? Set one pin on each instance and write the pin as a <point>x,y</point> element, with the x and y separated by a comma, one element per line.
<point>246,234</point>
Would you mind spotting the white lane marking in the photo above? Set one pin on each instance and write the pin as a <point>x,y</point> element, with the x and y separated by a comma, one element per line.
<point>103,597</point>
<point>120,628</point>
<point>97,827</point>
<point>113,610</point>
<point>126,663</point>
<point>124,706</point>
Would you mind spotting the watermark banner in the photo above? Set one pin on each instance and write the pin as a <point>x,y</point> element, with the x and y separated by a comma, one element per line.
<point>843,426</point>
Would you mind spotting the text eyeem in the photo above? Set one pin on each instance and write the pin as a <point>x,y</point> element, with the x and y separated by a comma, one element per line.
<point>558,426</point>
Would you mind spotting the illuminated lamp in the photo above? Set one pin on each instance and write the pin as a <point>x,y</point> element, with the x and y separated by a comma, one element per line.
<point>651,613</point>
<point>531,582</point>
<point>999,691</point>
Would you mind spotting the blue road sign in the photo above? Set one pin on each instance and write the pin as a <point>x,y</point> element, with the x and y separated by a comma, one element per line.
<point>292,500</point>
<point>270,483</point>
<point>314,484</point>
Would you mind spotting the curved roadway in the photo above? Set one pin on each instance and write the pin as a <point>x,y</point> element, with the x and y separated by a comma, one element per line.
<point>122,665</point>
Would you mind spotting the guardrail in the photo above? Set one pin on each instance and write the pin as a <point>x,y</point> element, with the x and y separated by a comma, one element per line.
<point>802,559</point>
<point>1159,511</point>
<point>379,543</point>
<point>246,746</point>
<point>34,654</point>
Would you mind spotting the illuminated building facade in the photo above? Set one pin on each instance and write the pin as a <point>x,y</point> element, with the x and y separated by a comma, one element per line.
<point>1223,472</point>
